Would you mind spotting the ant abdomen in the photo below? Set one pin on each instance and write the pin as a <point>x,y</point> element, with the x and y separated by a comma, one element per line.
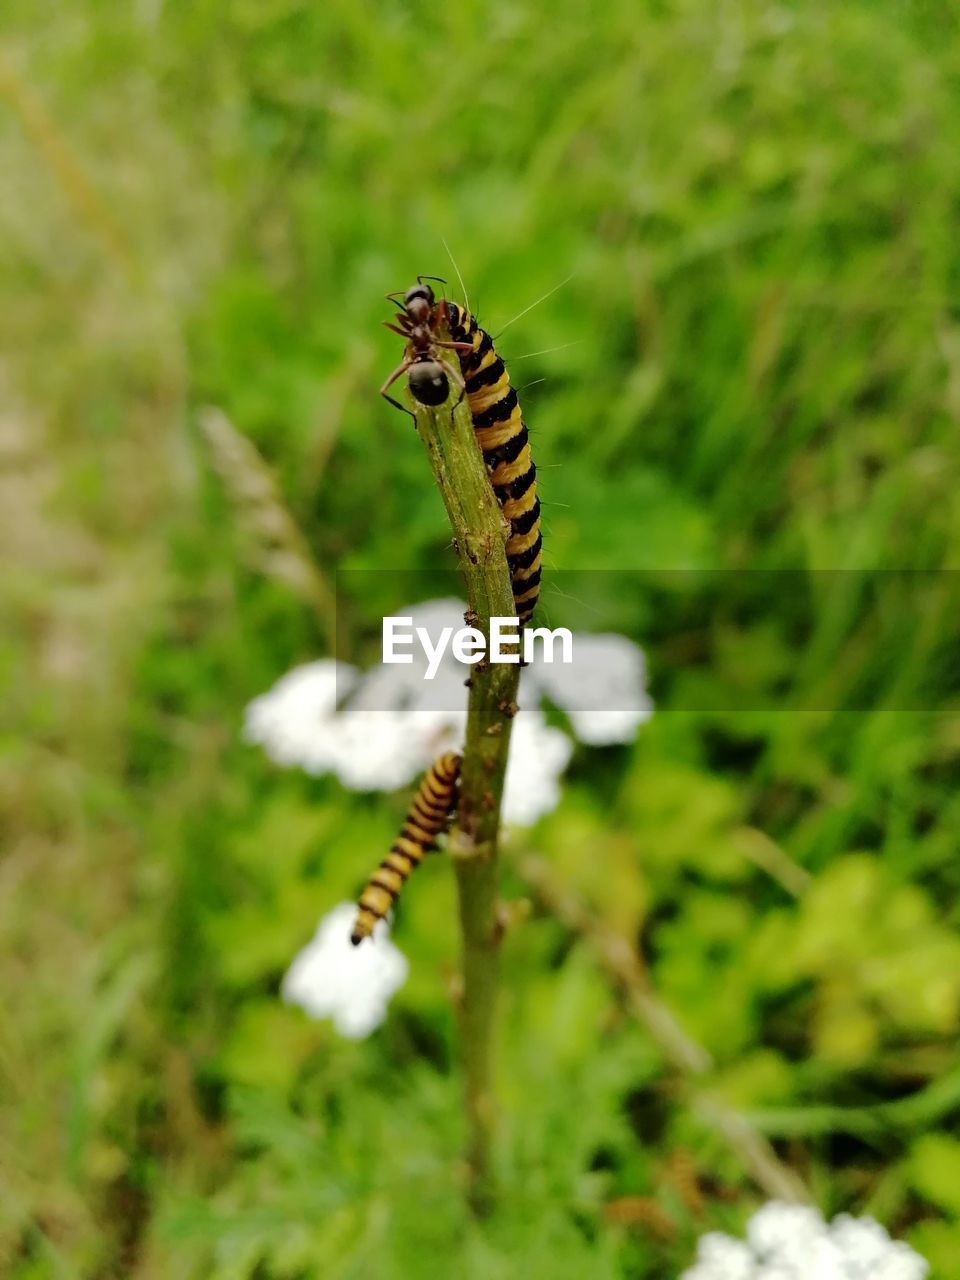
<point>428,382</point>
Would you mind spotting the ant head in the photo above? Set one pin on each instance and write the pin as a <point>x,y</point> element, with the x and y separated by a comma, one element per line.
<point>428,382</point>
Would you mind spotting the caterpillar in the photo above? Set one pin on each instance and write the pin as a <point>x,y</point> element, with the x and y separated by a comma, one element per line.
<point>499,428</point>
<point>502,436</point>
<point>428,816</point>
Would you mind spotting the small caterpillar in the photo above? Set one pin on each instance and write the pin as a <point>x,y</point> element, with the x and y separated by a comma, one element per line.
<point>427,817</point>
<point>499,428</point>
<point>502,436</point>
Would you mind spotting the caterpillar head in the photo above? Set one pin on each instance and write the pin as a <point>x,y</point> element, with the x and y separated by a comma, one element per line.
<point>428,382</point>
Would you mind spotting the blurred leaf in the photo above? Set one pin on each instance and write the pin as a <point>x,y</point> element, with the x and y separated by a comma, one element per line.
<point>267,1045</point>
<point>934,1170</point>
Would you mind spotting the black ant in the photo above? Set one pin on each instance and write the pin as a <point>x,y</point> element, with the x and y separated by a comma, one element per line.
<point>430,375</point>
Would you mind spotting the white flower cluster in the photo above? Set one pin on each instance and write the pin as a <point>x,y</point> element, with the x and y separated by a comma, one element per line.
<point>331,978</point>
<point>793,1242</point>
<point>379,731</point>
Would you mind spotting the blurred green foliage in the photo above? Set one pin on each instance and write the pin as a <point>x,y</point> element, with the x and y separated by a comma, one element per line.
<point>755,365</point>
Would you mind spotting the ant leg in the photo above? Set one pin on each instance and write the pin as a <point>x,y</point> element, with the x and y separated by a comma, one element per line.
<point>397,405</point>
<point>442,316</point>
<point>454,376</point>
<point>401,369</point>
<point>455,346</point>
<point>393,328</point>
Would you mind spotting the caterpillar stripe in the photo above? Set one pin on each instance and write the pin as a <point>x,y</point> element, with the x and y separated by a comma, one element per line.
<point>502,436</point>
<point>427,817</point>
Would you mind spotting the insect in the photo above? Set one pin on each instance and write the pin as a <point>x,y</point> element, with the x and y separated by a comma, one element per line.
<point>427,817</point>
<point>494,408</point>
<point>428,374</point>
<point>502,436</point>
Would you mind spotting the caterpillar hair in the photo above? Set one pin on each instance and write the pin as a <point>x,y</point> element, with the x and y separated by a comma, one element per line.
<point>502,436</point>
<point>428,816</point>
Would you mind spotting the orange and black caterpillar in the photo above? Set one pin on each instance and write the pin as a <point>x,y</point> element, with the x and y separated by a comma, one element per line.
<point>502,436</point>
<point>428,816</point>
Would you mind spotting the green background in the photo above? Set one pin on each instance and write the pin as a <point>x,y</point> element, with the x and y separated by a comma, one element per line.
<point>757,365</point>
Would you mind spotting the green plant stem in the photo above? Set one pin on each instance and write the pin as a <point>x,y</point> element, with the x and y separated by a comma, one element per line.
<point>479,535</point>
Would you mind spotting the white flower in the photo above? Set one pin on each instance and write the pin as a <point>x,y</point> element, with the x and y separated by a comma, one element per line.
<point>383,750</point>
<point>723,1256</point>
<point>293,721</point>
<point>538,756</point>
<point>331,978</point>
<point>603,690</point>
<point>863,1243</point>
<point>379,731</point>
<point>778,1231</point>
<point>792,1242</point>
<point>369,746</point>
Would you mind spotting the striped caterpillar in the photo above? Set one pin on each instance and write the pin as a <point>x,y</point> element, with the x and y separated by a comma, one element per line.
<point>502,436</point>
<point>428,816</point>
<point>495,410</point>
